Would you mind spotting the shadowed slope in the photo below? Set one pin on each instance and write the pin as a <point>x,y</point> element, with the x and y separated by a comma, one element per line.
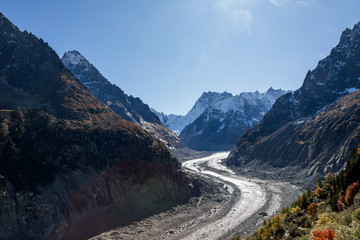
<point>70,167</point>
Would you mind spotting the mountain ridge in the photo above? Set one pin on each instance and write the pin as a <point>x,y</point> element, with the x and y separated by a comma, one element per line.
<point>128,107</point>
<point>177,123</point>
<point>70,167</point>
<point>328,82</point>
<point>332,82</point>
<point>220,118</point>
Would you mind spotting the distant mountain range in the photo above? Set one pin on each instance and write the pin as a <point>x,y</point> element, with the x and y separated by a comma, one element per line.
<point>70,167</point>
<point>217,120</point>
<point>314,128</point>
<point>177,123</point>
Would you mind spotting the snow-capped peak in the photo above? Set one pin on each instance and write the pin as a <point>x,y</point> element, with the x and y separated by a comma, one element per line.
<point>83,69</point>
<point>74,58</point>
<point>224,102</point>
<point>227,104</point>
<point>207,99</point>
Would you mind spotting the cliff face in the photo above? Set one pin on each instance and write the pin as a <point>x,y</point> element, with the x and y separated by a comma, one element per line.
<point>70,167</point>
<point>335,77</point>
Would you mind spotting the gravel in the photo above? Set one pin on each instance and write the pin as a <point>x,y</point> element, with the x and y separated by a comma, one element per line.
<point>229,204</point>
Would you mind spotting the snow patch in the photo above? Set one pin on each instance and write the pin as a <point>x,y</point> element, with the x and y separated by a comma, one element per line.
<point>88,83</point>
<point>298,122</point>
<point>73,58</point>
<point>351,90</point>
<point>227,105</point>
<point>322,109</point>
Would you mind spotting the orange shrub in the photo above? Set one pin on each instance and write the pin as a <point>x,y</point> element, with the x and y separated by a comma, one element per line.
<point>340,202</point>
<point>312,209</point>
<point>351,191</point>
<point>328,234</point>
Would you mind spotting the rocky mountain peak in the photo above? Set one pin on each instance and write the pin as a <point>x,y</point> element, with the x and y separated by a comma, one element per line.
<point>128,107</point>
<point>349,37</point>
<point>226,118</point>
<point>176,123</point>
<point>335,77</point>
<point>6,25</point>
<point>271,90</point>
<point>223,102</point>
<point>206,100</point>
<point>87,73</point>
<point>33,76</point>
<point>74,57</point>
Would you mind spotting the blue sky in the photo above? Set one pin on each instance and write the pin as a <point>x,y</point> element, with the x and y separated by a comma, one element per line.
<point>168,52</point>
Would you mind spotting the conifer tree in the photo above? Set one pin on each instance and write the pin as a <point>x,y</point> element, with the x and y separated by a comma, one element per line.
<point>319,183</point>
<point>267,232</point>
<point>319,192</point>
<point>277,224</point>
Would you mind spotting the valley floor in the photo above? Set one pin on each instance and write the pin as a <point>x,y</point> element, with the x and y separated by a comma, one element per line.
<point>229,204</point>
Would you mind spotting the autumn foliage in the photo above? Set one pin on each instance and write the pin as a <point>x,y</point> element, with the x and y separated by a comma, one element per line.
<point>334,207</point>
<point>351,191</point>
<point>312,209</point>
<point>340,202</point>
<point>328,234</point>
<point>318,192</point>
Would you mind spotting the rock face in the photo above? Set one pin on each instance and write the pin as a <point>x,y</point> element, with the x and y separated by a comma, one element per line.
<point>314,145</point>
<point>128,107</point>
<point>334,77</point>
<point>70,167</point>
<point>225,118</point>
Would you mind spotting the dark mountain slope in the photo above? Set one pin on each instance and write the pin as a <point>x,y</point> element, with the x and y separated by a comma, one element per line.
<point>33,76</point>
<point>335,76</point>
<point>128,107</point>
<point>70,167</point>
<point>318,144</point>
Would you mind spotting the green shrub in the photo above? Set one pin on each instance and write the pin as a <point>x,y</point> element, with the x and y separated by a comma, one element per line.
<point>303,222</point>
<point>294,231</point>
<point>305,237</point>
<point>356,214</point>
